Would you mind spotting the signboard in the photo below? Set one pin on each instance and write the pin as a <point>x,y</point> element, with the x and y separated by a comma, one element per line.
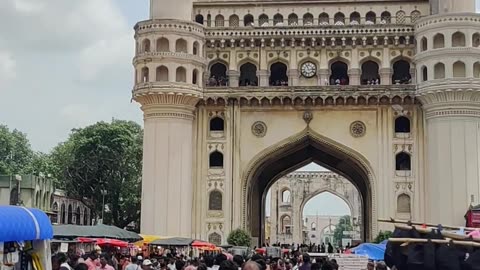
<point>351,262</point>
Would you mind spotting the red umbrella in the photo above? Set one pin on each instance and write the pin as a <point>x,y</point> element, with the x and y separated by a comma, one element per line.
<point>103,241</point>
<point>198,243</point>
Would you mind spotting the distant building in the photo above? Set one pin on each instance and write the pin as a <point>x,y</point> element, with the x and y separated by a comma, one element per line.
<point>70,211</point>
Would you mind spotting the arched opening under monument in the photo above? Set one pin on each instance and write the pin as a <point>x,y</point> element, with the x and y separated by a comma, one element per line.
<point>339,73</point>
<point>282,160</point>
<point>278,74</point>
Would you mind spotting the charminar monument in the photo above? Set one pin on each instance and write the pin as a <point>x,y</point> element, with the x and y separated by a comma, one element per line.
<point>237,94</point>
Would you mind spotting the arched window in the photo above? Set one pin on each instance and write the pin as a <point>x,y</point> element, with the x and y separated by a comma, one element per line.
<point>370,73</point>
<point>371,18</point>
<point>313,226</point>
<point>63,214</point>
<point>476,70</point>
<point>293,19</point>
<point>215,201</point>
<point>403,204</point>
<point>402,125</point>
<point>85,217</point>
<point>181,46</point>
<point>415,15</point>
<point>77,216</point>
<point>278,19</point>
<point>216,160</point>
<point>323,19</point>
<point>286,223</point>
<point>234,21</point>
<point>355,18</point>
<point>146,45</point>
<point>423,44</point>
<point>339,73</point>
<point>308,19</point>
<point>248,20</point>
<point>70,215</point>
<point>403,162</point>
<point>401,72</point>
<point>385,17</point>
<point>286,196</point>
<point>217,124</point>
<point>400,17</point>
<point>199,19</point>
<point>195,76</point>
<point>438,41</point>
<point>55,207</point>
<point>209,20</point>
<point>181,75</point>
<point>263,20</point>
<point>218,75</point>
<point>339,19</point>
<point>459,70</point>
<point>424,74</point>
<point>145,75</point>
<point>476,40</point>
<point>458,39</point>
<point>248,75</point>
<point>215,239</point>
<point>162,74</point>
<point>278,74</point>
<point>196,48</point>
<point>219,21</point>
<point>439,70</point>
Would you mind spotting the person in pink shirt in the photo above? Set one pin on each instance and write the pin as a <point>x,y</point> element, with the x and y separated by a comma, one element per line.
<point>104,263</point>
<point>91,261</point>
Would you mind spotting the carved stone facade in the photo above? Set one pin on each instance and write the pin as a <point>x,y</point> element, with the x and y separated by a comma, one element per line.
<point>206,72</point>
<point>289,196</point>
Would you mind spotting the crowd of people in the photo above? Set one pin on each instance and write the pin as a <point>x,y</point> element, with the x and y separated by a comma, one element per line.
<point>217,81</point>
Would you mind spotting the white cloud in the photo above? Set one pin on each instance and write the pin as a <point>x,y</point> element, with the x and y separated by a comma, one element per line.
<point>7,67</point>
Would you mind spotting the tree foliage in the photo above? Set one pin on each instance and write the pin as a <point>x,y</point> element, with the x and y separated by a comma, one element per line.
<point>15,151</point>
<point>239,237</point>
<point>344,224</point>
<point>383,235</point>
<point>103,156</point>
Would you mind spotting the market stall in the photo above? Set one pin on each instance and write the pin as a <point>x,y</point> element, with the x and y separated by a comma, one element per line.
<point>72,232</point>
<point>25,235</point>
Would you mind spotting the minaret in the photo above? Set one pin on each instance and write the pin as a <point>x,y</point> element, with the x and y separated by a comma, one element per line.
<point>168,65</point>
<point>448,69</point>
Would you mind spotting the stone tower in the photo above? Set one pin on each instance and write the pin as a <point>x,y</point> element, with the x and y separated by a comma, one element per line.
<point>169,64</point>
<point>448,69</point>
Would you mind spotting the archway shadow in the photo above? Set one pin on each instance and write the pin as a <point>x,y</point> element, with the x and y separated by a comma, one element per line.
<point>292,154</point>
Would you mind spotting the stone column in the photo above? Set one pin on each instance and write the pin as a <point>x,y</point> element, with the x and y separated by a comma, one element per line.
<point>167,164</point>
<point>293,77</point>
<point>385,76</point>
<point>413,73</point>
<point>323,76</point>
<point>233,78</point>
<point>263,77</point>
<point>354,76</point>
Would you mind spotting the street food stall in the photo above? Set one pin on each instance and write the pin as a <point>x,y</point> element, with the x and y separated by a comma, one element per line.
<point>25,235</point>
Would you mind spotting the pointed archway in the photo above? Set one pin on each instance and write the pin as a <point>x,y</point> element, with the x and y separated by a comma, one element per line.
<point>293,153</point>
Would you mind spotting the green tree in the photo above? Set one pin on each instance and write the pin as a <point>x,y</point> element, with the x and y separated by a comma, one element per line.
<point>383,235</point>
<point>239,237</point>
<point>15,151</point>
<point>103,156</point>
<point>344,224</point>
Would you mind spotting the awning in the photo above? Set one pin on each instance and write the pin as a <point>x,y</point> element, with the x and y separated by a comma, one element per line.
<point>97,231</point>
<point>24,224</point>
<point>175,241</point>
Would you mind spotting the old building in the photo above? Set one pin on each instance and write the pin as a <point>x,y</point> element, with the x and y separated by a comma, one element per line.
<point>70,211</point>
<point>237,94</point>
<point>35,191</point>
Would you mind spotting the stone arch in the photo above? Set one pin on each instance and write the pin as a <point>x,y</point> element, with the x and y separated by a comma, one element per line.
<point>294,152</point>
<point>69,214</point>
<point>293,19</point>
<point>438,41</point>
<point>400,17</point>
<point>263,20</point>
<point>355,18</point>
<point>181,46</point>
<point>458,39</point>
<point>219,20</point>
<point>370,71</point>
<point>145,75</point>
<point>402,124</point>
<point>77,216</point>
<point>476,40</point>
<point>423,44</point>
<point>234,21</point>
<point>370,18</point>
<point>162,74</point>
<point>195,77</point>
<point>286,195</point>
<point>163,45</point>
<point>424,71</point>
<point>196,48</point>
<point>285,221</point>
<point>278,74</point>
<point>308,19</point>
<point>199,19</point>
<point>63,214</point>
<point>439,71</point>
<point>85,216</point>
<point>215,200</point>
<point>326,190</point>
<point>146,45</point>
<point>181,75</point>
<point>339,72</point>
<point>476,70</point>
<point>459,70</point>
<point>218,73</point>
<point>385,17</point>
<point>248,20</point>
<point>278,19</point>
<point>339,18</point>
<point>415,15</point>
<point>401,71</point>
<point>217,124</point>
<point>248,74</point>
<point>323,19</point>
<point>403,161</point>
<point>404,204</point>
<point>215,160</point>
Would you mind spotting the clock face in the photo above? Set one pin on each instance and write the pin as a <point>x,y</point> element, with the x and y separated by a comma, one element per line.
<point>309,69</point>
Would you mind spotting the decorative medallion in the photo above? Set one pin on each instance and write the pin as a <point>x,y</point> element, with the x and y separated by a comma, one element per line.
<point>240,55</point>
<point>358,129</point>
<point>270,55</point>
<point>259,129</point>
<point>362,54</point>
<point>285,54</point>
<point>379,54</point>
<point>347,54</point>
<point>210,56</point>
<point>307,117</point>
<point>255,55</point>
<point>225,56</point>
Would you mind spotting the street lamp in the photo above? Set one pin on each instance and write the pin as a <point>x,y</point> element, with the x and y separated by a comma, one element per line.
<point>18,178</point>
<point>104,192</point>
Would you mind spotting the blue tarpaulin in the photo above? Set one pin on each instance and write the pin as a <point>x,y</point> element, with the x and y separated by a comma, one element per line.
<point>374,252</point>
<point>23,224</point>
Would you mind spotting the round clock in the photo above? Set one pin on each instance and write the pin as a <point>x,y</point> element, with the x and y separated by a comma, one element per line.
<point>309,69</point>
